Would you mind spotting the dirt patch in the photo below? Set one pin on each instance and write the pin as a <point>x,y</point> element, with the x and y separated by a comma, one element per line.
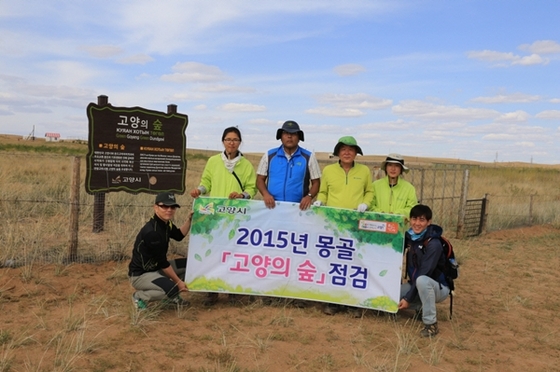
<point>81,318</point>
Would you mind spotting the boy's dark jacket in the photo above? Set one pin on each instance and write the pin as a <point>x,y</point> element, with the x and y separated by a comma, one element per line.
<point>424,260</point>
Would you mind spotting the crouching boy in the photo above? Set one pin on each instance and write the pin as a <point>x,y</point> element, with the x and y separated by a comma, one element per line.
<point>425,259</point>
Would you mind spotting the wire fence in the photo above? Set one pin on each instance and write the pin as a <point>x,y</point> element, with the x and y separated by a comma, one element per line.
<point>511,211</point>
<point>35,210</point>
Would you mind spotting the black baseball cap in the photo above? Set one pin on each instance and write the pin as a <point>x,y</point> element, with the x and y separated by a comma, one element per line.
<point>167,198</point>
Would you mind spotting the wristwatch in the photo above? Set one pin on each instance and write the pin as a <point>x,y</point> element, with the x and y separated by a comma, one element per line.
<point>311,196</point>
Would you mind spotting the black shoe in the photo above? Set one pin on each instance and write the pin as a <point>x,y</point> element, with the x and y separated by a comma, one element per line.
<point>429,330</point>
<point>331,309</point>
<point>234,299</point>
<point>355,312</point>
<point>300,304</point>
<point>211,299</point>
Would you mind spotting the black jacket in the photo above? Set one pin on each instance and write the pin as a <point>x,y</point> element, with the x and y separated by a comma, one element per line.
<point>151,245</point>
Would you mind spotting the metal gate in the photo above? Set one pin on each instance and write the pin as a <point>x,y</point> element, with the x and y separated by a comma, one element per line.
<point>475,217</point>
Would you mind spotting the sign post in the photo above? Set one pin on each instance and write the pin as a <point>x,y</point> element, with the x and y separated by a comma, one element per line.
<point>134,149</point>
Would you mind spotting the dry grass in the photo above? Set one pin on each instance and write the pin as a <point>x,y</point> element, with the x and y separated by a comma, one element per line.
<point>35,192</point>
<point>76,317</point>
<point>83,319</point>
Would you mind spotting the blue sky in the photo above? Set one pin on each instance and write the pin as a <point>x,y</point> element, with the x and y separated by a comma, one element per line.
<point>475,80</point>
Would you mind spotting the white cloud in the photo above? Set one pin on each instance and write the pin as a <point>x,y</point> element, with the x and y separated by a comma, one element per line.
<point>335,112</point>
<point>202,26</point>
<point>555,100</point>
<point>492,56</point>
<point>517,116</point>
<point>508,98</point>
<point>262,121</point>
<point>358,101</point>
<point>541,47</point>
<point>349,69</point>
<point>136,59</point>
<point>397,125</point>
<point>429,111</point>
<point>549,114</point>
<point>194,72</point>
<point>500,137</point>
<point>533,59</point>
<point>348,105</point>
<point>503,59</point>
<point>190,96</point>
<point>219,88</point>
<point>102,51</point>
<point>242,107</point>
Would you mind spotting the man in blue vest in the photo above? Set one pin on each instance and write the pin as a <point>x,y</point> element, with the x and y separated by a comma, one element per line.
<point>289,172</point>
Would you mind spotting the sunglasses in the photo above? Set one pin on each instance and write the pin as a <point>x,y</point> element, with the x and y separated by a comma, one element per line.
<point>163,206</point>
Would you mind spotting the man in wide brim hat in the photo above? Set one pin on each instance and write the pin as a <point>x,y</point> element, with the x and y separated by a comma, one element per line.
<point>290,126</point>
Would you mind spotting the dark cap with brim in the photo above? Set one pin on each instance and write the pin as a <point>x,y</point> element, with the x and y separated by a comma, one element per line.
<point>290,126</point>
<point>167,198</point>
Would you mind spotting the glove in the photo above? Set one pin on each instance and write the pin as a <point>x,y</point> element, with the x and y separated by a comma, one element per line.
<point>317,203</point>
<point>362,207</point>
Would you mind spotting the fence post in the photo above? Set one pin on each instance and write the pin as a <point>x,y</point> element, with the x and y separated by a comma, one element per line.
<point>484,215</point>
<point>422,185</point>
<point>531,209</point>
<point>74,210</point>
<point>463,205</point>
<point>99,197</point>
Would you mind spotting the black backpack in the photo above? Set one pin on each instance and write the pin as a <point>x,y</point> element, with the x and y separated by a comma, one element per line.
<point>450,268</point>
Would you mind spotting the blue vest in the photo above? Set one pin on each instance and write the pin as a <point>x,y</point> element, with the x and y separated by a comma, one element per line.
<point>288,180</point>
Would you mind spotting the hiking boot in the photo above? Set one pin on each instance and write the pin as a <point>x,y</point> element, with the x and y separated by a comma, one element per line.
<point>176,301</point>
<point>235,299</point>
<point>139,303</point>
<point>355,312</point>
<point>211,299</point>
<point>331,309</point>
<point>268,301</point>
<point>300,304</point>
<point>429,330</point>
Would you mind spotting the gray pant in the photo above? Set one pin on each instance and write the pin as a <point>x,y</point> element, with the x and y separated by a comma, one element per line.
<point>430,292</point>
<point>155,285</point>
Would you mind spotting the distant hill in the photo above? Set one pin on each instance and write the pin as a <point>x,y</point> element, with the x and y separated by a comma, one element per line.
<point>323,157</point>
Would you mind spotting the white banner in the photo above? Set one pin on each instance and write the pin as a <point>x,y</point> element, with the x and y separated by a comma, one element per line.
<point>322,254</point>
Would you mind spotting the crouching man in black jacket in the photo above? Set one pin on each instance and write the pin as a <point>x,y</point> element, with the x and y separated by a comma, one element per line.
<point>151,274</point>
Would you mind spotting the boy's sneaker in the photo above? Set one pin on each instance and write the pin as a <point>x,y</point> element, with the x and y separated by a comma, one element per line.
<point>176,301</point>
<point>139,303</point>
<point>429,330</point>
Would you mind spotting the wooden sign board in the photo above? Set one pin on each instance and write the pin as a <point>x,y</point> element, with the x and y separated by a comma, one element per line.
<point>134,149</point>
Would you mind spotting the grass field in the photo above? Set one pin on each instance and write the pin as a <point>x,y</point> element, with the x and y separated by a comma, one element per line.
<point>79,317</point>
